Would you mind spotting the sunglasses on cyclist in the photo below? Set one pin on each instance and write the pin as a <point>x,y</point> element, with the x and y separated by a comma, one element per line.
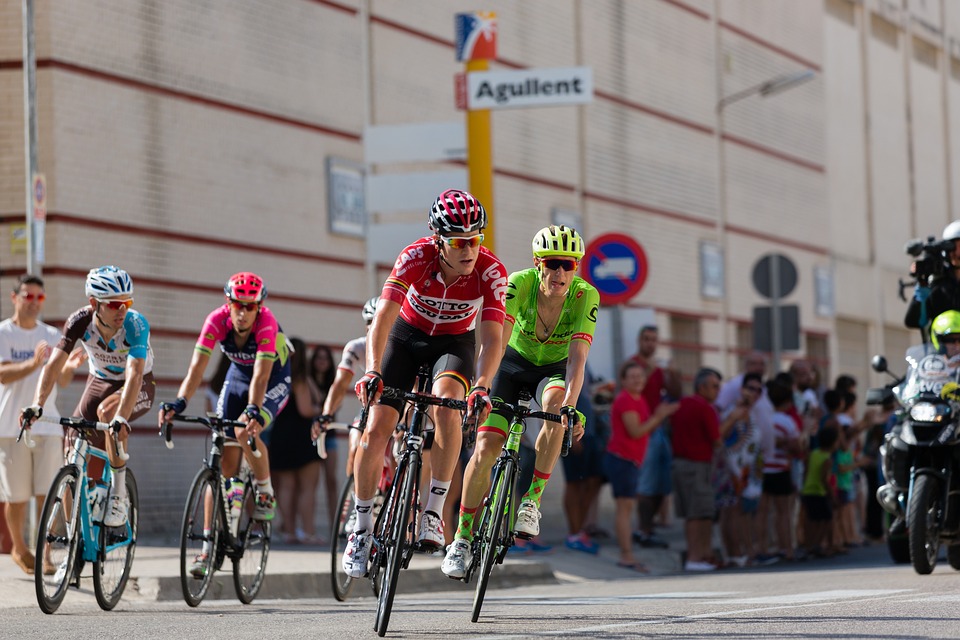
<point>116,305</point>
<point>555,264</point>
<point>244,306</point>
<point>950,339</point>
<point>30,297</point>
<point>463,243</point>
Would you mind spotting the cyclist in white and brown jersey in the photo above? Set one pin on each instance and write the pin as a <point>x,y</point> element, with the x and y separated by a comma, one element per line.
<point>120,387</point>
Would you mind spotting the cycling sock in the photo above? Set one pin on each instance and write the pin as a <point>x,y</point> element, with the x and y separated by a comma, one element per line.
<point>465,529</point>
<point>207,544</point>
<point>265,486</point>
<point>118,485</point>
<point>537,485</point>
<point>437,496</point>
<point>364,514</point>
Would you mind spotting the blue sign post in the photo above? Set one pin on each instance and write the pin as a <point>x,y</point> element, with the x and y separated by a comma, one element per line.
<point>617,266</point>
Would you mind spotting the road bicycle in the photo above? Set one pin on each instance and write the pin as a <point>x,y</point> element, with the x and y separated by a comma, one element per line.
<point>394,533</point>
<point>495,533</point>
<point>219,512</point>
<point>71,532</point>
<point>345,520</point>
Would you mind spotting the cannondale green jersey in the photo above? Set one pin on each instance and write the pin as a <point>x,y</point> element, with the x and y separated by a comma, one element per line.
<point>577,320</point>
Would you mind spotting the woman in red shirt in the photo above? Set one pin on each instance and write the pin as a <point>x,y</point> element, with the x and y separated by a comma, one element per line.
<point>632,423</point>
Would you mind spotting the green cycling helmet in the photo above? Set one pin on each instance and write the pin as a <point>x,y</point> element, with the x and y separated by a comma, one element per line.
<point>944,324</point>
<point>558,240</point>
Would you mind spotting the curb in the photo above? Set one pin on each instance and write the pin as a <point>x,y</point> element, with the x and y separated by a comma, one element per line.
<point>294,586</point>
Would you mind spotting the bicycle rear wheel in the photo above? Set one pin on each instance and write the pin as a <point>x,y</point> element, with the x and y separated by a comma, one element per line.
<point>58,539</point>
<point>203,506</point>
<point>340,531</point>
<point>250,566</point>
<point>111,569</point>
<point>492,534</point>
<point>399,535</point>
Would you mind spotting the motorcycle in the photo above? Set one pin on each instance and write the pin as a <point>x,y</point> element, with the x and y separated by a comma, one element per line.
<point>921,458</point>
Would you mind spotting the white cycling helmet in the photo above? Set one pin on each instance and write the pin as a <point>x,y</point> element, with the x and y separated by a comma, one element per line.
<point>108,282</point>
<point>369,309</point>
<point>952,231</point>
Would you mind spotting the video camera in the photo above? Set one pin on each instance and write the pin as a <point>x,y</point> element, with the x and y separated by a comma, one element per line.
<point>931,257</point>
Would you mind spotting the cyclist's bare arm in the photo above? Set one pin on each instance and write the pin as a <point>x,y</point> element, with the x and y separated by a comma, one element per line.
<point>341,382</point>
<point>133,380</point>
<point>505,336</point>
<point>387,312</point>
<point>198,364</point>
<point>50,375</point>
<point>491,352</point>
<point>576,362</point>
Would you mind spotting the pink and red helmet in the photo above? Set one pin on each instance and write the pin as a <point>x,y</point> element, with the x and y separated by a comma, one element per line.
<point>245,287</point>
<point>457,211</point>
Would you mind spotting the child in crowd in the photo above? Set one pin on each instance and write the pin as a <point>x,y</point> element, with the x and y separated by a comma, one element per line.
<point>779,492</point>
<point>817,493</point>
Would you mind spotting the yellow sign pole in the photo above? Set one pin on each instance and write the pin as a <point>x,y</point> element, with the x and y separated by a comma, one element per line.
<point>480,158</point>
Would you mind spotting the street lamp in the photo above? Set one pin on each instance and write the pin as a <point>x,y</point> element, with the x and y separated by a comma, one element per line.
<point>773,86</point>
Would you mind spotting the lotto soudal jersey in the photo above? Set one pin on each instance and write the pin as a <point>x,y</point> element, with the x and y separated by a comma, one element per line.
<point>577,320</point>
<point>416,283</point>
<point>108,358</point>
<point>266,340</point>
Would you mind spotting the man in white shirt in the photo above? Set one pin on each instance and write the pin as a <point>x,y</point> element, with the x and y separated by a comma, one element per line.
<point>25,345</point>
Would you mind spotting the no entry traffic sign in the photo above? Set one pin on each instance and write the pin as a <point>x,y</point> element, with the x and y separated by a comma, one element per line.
<point>616,265</point>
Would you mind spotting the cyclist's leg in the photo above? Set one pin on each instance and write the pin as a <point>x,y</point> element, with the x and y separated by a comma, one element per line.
<point>455,369</point>
<point>549,441</point>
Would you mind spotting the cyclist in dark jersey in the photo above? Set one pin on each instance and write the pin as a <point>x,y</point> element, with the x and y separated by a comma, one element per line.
<point>551,317</point>
<point>257,384</point>
<point>440,288</point>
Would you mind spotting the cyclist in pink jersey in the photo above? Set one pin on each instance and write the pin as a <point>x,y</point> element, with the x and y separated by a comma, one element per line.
<point>440,288</point>
<point>257,384</point>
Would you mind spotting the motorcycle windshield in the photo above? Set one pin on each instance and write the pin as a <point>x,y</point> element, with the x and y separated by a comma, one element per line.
<point>927,373</point>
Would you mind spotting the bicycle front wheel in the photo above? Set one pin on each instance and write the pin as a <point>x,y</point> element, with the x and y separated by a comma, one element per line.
<point>58,539</point>
<point>250,565</point>
<point>111,569</point>
<point>201,524</point>
<point>399,536</point>
<point>492,530</point>
<point>340,531</point>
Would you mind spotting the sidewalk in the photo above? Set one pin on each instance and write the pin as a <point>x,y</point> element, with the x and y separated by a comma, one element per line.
<point>304,572</point>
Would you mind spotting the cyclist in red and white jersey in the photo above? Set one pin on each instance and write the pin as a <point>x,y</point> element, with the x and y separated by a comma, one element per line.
<point>441,287</point>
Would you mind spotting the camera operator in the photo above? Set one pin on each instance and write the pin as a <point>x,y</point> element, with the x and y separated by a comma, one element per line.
<point>937,270</point>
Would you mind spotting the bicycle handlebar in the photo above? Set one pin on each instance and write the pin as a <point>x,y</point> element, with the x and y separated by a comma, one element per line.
<point>521,412</point>
<point>415,397</point>
<point>321,441</point>
<point>213,423</point>
<point>76,423</point>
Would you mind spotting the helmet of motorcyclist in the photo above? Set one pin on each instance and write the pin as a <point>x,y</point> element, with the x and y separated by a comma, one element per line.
<point>245,287</point>
<point>108,282</point>
<point>456,211</point>
<point>558,240</point>
<point>943,325</point>
<point>369,309</point>
<point>952,231</point>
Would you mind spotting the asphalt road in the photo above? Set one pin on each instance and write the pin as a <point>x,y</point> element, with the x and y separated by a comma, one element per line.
<point>860,595</point>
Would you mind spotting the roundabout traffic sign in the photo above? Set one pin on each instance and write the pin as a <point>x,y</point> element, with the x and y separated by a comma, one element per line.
<point>616,265</point>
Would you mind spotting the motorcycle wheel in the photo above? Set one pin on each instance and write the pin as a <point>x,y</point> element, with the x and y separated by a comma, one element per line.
<point>924,523</point>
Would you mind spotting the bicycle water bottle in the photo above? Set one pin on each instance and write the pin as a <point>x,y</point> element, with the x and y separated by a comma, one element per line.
<point>234,493</point>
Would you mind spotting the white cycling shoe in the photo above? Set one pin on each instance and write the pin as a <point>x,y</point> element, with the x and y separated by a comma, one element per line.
<point>458,558</point>
<point>528,520</point>
<point>357,554</point>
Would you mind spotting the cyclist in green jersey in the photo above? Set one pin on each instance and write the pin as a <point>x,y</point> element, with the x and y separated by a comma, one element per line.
<point>549,326</point>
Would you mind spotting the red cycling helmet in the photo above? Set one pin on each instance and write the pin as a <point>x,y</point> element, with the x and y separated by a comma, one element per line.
<point>457,211</point>
<point>245,287</point>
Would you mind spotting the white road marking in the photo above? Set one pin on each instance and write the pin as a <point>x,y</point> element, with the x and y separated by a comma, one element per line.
<point>816,596</point>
